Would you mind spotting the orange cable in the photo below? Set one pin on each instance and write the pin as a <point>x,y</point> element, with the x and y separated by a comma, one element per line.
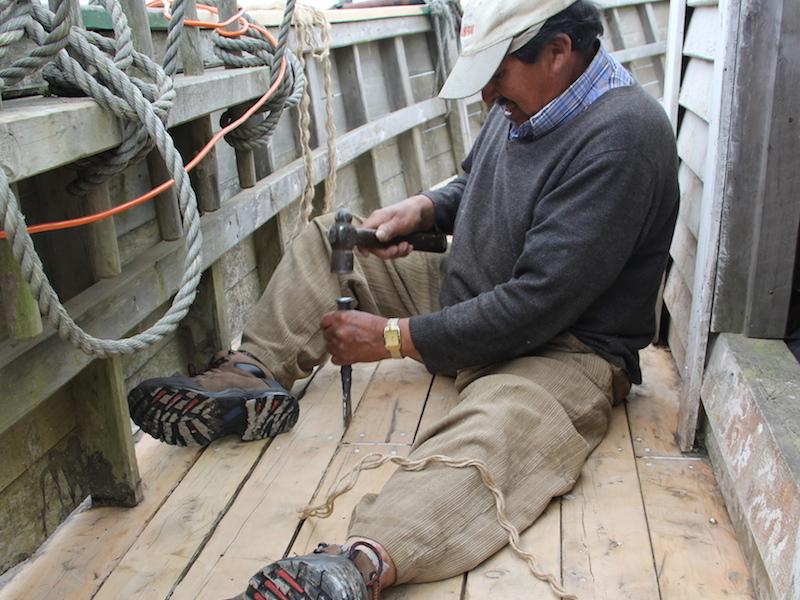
<point>77,222</point>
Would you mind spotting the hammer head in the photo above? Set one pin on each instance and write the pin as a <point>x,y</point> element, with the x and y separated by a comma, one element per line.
<point>342,236</point>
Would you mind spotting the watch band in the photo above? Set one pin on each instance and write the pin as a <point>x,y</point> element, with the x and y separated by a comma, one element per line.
<point>391,338</point>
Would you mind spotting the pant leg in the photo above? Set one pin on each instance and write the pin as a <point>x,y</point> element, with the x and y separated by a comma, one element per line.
<point>532,420</point>
<point>283,330</point>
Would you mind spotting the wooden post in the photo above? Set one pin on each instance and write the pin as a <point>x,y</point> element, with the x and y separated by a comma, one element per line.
<point>398,81</point>
<point>351,81</point>
<point>19,312</point>
<point>647,17</point>
<point>101,235</point>
<point>245,161</point>
<point>104,423</point>
<point>193,135</point>
<point>167,208</point>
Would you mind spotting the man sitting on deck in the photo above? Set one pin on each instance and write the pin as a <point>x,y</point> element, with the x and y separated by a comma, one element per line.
<point>561,228</point>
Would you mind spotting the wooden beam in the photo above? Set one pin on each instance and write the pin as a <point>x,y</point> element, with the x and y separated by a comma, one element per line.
<point>102,235</point>
<point>104,423</point>
<point>749,393</point>
<point>351,81</point>
<point>757,255</point>
<point>30,371</point>
<point>714,183</point>
<point>673,61</point>
<point>629,55</point>
<point>398,82</point>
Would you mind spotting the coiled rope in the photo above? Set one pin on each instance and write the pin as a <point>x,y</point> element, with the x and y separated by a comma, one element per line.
<point>376,461</point>
<point>98,71</point>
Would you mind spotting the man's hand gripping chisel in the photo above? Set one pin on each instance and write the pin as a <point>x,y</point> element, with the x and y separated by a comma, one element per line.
<point>344,237</point>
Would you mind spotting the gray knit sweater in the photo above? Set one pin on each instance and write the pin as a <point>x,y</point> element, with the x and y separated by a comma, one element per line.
<point>568,232</point>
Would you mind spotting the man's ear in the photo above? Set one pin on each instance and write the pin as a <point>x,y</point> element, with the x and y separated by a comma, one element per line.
<point>560,50</point>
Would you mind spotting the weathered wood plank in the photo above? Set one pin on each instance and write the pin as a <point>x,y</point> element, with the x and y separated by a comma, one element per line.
<point>693,140</point>
<point>694,544</point>
<point>678,300</point>
<point>750,392</point>
<point>703,34</point>
<point>606,551</point>
<point>628,55</point>
<point>40,499</point>
<point>652,406</point>
<point>41,134</point>
<point>684,253</point>
<point>169,543</point>
<point>754,288</point>
<point>101,236</point>
<point>112,307</point>
<point>82,553</point>
<point>391,411</point>
<point>505,574</point>
<point>697,81</point>
<point>260,524</point>
<point>691,198</point>
<point>708,238</point>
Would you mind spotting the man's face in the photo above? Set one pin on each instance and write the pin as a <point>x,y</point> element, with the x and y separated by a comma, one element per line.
<point>521,89</point>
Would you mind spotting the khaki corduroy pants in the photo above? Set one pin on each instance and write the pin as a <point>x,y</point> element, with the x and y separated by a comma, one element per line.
<point>532,420</point>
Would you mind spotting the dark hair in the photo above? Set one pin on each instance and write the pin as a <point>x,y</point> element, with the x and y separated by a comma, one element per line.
<point>580,21</point>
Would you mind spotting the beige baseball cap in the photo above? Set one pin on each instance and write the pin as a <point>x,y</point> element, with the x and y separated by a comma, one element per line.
<point>490,29</point>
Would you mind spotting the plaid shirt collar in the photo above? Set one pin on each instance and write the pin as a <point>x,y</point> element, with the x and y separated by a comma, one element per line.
<point>604,73</point>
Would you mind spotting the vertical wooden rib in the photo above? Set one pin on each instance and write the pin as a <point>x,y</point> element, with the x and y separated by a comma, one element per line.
<point>351,79</point>
<point>166,203</point>
<point>19,312</point>
<point>104,423</point>
<point>101,235</point>
<point>245,160</point>
<point>648,20</point>
<point>398,83</point>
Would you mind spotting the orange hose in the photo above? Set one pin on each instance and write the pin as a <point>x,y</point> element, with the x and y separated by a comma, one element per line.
<point>93,218</point>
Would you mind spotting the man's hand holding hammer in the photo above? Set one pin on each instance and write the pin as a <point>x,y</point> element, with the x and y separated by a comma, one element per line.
<point>354,336</point>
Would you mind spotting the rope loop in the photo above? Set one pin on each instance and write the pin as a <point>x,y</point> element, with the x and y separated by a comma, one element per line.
<point>98,67</point>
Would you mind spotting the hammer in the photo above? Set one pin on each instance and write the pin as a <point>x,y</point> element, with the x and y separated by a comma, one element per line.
<point>343,237</point>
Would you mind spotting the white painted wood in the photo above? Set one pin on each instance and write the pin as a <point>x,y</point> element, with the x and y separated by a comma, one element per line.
<point>703,33</point>
<point>708,235</point>
<point>693,142</point>
<point>696,88</point>
<point>673,59</point>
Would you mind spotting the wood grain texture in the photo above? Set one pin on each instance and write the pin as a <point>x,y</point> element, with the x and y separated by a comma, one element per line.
<point>694,545</point>
<point>83,552</point>
<point>606,551</point>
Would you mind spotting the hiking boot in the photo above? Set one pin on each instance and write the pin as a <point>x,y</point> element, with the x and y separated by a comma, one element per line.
<point>330,573</point>
<point>233,395</point>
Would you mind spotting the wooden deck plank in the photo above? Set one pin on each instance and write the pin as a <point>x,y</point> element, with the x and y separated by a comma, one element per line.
<point>391,411</point>
<point>334,528</point>
<point>442,398</point>
<point>82,553</point>
<point>505,574</point>
<point>261,522</point>
<point>694,544</point>
<point>653,406</point>
<point>606,550</point>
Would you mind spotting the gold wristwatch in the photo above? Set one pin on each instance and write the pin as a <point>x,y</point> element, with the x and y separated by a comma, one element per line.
<point>391,338</point>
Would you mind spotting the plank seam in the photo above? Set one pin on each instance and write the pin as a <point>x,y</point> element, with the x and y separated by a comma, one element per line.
<point>204,542</point>
<point>644,504</point>
<point>424,408</point>
<point>145,523</point>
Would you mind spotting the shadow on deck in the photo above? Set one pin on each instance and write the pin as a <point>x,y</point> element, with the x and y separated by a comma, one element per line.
<point>643,522</point>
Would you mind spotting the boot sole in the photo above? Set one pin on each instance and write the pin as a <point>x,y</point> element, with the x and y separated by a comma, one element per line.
<point>311,577</point>
<point>182,416</point>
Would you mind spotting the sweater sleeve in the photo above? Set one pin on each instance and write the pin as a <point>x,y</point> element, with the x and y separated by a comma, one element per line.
<point>445,203</point>
<point>582,234</point>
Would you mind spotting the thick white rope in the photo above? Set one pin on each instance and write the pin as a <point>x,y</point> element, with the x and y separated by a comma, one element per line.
<point>124,96</point>
<point>376,461</point>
